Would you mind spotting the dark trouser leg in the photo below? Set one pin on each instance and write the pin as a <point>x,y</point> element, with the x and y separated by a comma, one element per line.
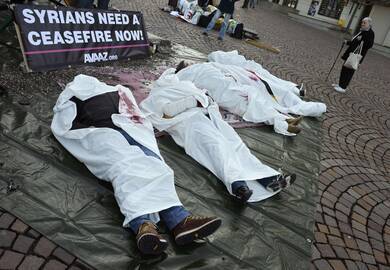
<point>84,3</point>
<point>345,77</point>
<point>103,4</point>
<point>245,5</point>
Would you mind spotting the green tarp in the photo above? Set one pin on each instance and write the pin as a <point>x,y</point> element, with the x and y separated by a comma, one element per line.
<point>57,195</point>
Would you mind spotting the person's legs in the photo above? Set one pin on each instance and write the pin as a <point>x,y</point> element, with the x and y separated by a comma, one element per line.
<point>241,190</point>
<point>84,3</point>
<point>278,182</point>
<point>224,25</point>
<point>345,77</point>
<point>213,21</point>
<point>149,241</point>
<point>103,4</point>
<point>173,216</point>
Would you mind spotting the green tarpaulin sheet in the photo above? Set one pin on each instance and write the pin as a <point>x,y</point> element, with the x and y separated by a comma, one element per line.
<point>58,196</point>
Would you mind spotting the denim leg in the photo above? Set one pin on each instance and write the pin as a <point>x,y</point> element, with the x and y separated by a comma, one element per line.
<point>266,181</point>
<point>103,4</point>
<point>84,3</point>
<point>173,216</point>
<point>131,141</point>
<point>224,25</point>
<point>237,184</point>
<point>213,20</point>
<point>138,221</point>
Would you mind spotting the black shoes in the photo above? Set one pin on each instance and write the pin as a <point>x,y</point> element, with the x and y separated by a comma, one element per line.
<point>243,193</point>
<point>282,181</point>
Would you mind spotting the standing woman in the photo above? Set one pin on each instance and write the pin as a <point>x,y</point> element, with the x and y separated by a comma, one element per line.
<point>365,35</point>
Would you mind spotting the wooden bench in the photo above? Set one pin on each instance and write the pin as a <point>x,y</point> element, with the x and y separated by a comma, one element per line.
<point>249,33</point>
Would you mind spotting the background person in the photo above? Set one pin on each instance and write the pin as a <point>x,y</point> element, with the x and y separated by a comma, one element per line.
<point>102,4</point>
<point>365,35</point>
<point>225,7</point>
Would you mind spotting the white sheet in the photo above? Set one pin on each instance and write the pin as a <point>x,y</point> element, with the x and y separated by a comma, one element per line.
<point>237,88</point>
<point>142,184</point>
<point>209,140</point>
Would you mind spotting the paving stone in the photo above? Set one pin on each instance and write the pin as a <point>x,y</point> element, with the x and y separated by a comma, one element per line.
<point>54,265</point>
<point>335,241</point>
<point>63,255</point>
<point>6,220</point>
<point>6,238</point>
<point>31,262</point>
<point>320,237</point>
<point>323,228</point>
<point>361,266</point>
<point>10,259</point>
<point>345,228</point>
<point>368,258</point>
<point>330,221</point>
<point>33,233</point>
<point>358,226</point>
<point>44,247</point>
<point>380,256</point>
<point>23,243</point>
<point>341,253</point>
<point>337,265</point>
<point>364,246</point>
<point>19,227</point>
<point>350,242</point>
<point>354,254</point>
<point>326,251</point>
<point>322,265</point>
<point>351,265</point>
<point>384,267</point>
<point>359,218</point>
<point>334,231</point>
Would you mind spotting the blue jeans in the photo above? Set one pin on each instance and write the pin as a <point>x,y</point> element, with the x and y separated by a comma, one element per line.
<point>102,4</point>
<point>224,26</point>
<point>264,182</point>
<point>171,216</point>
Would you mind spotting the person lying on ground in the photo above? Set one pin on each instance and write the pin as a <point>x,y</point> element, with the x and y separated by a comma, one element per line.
<point>103,127</point>
<point>193,120</point>
<point>246,89</point>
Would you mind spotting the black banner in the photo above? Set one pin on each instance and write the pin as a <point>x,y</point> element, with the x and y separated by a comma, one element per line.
<point>58,37</point>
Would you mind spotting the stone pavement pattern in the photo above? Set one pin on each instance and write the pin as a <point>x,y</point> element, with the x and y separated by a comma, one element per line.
<point>352,224</point>
<point>23,248</point>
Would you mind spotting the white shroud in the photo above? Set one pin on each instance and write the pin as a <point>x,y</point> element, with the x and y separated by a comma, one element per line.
<point>142,184</point>
<point>207,139</point>
<point>238,88</point>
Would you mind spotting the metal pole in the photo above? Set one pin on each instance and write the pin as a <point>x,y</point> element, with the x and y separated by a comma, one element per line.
<point>334,62</point>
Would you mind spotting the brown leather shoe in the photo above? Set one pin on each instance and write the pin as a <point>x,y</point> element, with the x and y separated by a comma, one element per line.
<point>294,121</point>
<point>293,129</point>
<point>149,241</point>
<point>195,227</point>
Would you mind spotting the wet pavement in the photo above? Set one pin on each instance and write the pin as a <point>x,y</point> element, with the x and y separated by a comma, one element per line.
<point>352,228</point>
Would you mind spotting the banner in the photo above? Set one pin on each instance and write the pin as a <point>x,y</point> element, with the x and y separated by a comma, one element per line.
<point>57,37</point>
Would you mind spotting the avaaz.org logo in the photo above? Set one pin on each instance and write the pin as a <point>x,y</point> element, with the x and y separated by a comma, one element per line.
<point>98,57</point>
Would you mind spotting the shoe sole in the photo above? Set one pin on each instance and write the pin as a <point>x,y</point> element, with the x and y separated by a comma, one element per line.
<point>150,244</point>
<point>203,231</point>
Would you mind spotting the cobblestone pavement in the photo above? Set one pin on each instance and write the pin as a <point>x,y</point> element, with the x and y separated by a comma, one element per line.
<point>352,224</point>
<point>23,248</point>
